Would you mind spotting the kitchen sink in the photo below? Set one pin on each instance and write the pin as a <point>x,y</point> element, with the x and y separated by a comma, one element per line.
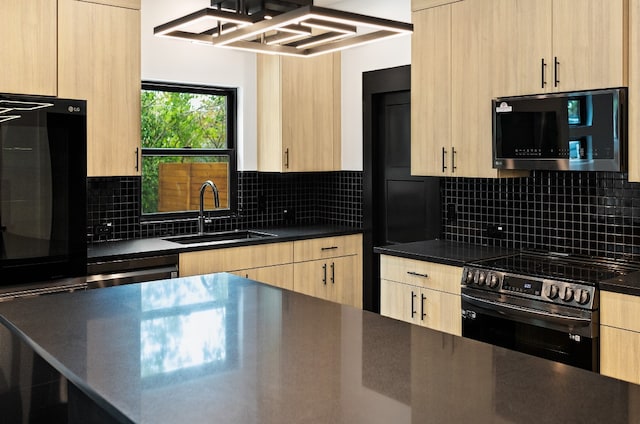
<point>220,237</point>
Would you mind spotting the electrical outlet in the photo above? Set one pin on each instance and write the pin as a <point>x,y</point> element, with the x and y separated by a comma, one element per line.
<point>496,231</point>
<point>103,229</point>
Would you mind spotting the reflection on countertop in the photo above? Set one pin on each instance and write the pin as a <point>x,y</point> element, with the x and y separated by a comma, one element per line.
<point>220,348</point>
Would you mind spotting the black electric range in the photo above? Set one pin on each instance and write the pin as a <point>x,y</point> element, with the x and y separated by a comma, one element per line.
<point>539,303</point>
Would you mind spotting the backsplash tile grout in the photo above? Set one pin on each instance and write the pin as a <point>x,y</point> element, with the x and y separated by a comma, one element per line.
<point>309,198</point>
<point>584,213</point>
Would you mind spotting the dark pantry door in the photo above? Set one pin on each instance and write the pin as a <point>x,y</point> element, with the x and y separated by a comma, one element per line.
<point>397,207</point>
<point>407,207</point>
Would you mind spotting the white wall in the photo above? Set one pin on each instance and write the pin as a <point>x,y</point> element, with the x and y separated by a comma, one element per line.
<point>172,60</point>
<point>164,59</point>
<point>379,55</point>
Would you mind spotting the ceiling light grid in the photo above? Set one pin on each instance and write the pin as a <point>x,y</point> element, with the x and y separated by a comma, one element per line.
<point>304,31</point>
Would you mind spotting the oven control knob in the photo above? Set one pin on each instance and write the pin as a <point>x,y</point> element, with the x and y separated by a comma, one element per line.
<point>469,277</point>
<point>482,278</point>
<point>583,297</point>
<point>494,280</point>
<point>568,294</point>
<point>553,291</point>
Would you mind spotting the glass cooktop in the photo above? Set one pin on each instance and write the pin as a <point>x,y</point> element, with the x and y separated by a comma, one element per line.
<point>559,267</point>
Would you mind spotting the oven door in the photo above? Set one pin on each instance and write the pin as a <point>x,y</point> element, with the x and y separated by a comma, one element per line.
<point>561,334</point>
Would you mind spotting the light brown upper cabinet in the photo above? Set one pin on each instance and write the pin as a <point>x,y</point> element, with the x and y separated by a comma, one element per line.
<point>131,4</point>
<point>451,91</point>
<point>299,113</point>
<point>559,45</point>
<point>28,47</point>
<point>99,61</point>
<point>431,92</point>
<point>425,4</point>
<point>634,91</point>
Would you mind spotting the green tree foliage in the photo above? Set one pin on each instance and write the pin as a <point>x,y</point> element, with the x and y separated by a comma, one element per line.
<point>173,120</point>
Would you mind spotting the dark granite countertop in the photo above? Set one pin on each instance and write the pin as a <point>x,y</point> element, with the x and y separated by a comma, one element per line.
<point>442,251</point>
<point>119,250</point>
<point>219,348</point>
<point>626,284</point>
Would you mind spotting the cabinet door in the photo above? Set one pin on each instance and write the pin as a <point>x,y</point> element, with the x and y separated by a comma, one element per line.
<point>312,278</point>
<point>400,301</point>
<point>99,61</point>
<point>131,4</point>
<point>278,275</point>
<point>299,113</point>
<point>431,92</point>
<point>589,41</point>
<point>440,311</point>
<point>634,91</point>
<point>521,35</point>
<point>473,68</point>
<point>345,280</point>
<point>28,47</point>
<point>619,354</point>
<point>311,113</point>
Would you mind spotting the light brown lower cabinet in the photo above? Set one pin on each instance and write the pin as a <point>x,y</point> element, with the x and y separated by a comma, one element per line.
<point>277,275</point>
<point>620,336</point>
<point>422,293</point>
<point>328,267</point>
<point>331,279</point>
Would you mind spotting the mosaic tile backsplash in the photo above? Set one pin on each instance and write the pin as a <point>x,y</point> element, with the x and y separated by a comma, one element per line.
<point>308,198</point>
<point>584,213</point>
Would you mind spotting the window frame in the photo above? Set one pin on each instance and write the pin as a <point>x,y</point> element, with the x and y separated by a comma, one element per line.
<point>231,94</point>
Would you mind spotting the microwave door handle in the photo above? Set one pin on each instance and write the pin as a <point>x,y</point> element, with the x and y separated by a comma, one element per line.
<point>508,310</point>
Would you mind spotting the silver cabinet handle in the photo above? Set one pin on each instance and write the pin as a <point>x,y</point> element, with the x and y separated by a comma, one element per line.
<point>417,274</point>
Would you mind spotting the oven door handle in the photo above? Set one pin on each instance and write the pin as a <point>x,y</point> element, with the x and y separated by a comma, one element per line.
<point>522,312</point>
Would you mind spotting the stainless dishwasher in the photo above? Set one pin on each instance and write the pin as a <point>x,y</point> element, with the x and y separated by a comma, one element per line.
<point>127,271</point>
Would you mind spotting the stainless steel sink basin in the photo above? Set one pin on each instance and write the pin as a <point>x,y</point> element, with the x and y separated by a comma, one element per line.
<point>221,237</point>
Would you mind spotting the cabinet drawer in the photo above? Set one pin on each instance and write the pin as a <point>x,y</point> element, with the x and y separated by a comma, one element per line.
<point>619,354</point>
<point>327,247</point>
<point>620,310</point>
<point>430,275</point>
<point>235,258</point>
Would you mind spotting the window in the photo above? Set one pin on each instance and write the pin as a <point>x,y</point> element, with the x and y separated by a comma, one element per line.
<point>188,137</point>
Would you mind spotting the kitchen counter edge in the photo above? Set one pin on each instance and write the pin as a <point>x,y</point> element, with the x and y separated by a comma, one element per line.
<point>140,248</point>
<point>442,251</point>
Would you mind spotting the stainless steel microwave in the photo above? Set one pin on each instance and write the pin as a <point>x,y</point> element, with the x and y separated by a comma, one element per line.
<point>578,131</point>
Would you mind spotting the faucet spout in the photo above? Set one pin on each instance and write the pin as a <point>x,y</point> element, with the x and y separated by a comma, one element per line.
<point>216,202</point>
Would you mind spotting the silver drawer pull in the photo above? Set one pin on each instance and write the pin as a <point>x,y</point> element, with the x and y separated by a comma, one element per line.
<point>417,274</point>
<point>329,248</point>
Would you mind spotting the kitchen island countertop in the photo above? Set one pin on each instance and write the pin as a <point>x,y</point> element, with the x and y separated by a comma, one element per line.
<point>220,348</point>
